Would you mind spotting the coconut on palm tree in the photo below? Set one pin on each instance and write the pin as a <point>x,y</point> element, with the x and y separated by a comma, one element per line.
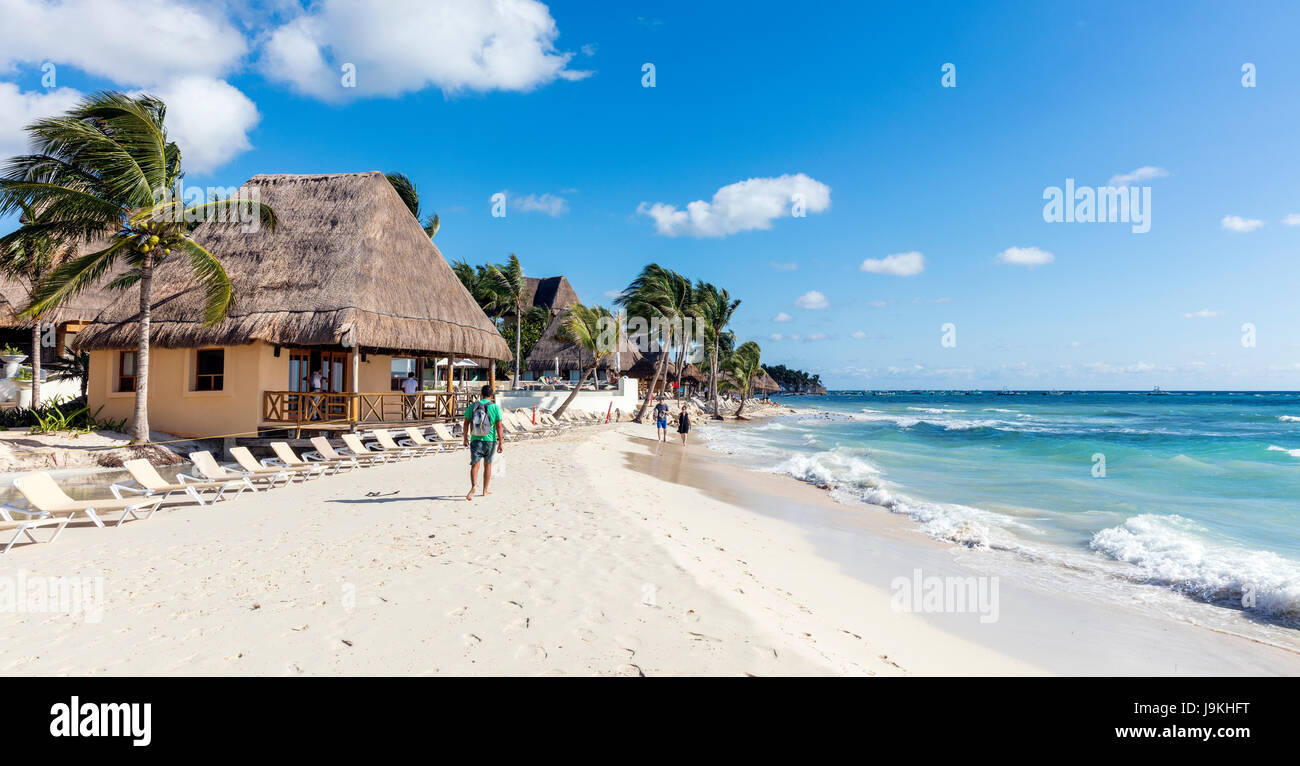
<point>105,172</point>
<point>715,307</point>
<point>27,260</point>
<point>591,329</point>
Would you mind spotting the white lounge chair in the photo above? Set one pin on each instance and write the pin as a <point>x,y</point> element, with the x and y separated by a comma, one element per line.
<point>208,467</point>
<point>417,440</point>
<point>326,451</point>
<point>149,482</point>
<point>390,447</point>
<point>444,434</point>
<point>48,499</point>
<point>284,455</point>
<point>250,465</point>
<point>360,450</point>
<point>24,526</point>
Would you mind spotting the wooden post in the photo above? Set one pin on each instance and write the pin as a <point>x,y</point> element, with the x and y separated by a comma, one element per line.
<point>354,407</point>
<point>492,373</point>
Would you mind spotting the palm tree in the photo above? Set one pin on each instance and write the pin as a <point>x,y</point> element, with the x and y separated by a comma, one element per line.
<point>405,189</point>
<point>586,328</point>
<point>71,366</point>
<point>27,260</point>
<point>653,296</point>
<point>743,366</point>
<point>105,170</point>
<point>716,308</point>
<point>684,303</point>
<point>507,282</point>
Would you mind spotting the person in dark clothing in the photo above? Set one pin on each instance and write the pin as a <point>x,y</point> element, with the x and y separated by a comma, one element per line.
<point>683,424</point>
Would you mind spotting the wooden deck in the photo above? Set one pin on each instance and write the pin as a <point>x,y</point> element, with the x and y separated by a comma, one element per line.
<point>346,411</point>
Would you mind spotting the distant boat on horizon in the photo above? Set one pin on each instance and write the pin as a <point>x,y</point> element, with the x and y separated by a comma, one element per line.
<point>1157,392</point>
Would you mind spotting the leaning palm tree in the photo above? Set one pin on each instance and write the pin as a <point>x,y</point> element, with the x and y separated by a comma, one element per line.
<point>743,365</point>
<point>507,282</point>
<point>590,329</point>
<point>405,189</point>
<point>716,308</point>
<point>73,365</point>
<point>653,297</point>
<point>105,172</point>
<point>27,260</point>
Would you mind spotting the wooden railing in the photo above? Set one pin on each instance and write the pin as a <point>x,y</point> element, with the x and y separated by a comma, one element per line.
<point>303,408</point>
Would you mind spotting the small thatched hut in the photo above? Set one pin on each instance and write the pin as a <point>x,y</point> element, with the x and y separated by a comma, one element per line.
<point>66,320</point>
<point>551,353</point>
<point>347,286</point>
<point>554,294</point>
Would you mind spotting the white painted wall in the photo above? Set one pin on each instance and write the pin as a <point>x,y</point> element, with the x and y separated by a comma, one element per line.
<point>624,399</point>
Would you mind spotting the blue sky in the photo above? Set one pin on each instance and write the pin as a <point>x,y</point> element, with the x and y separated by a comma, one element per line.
<point>545,103</point>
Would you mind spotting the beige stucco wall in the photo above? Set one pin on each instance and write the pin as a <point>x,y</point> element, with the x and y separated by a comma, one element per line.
<point>176,409</point>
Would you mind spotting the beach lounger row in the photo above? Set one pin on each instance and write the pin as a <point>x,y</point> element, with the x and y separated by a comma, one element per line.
<point>210,481</point>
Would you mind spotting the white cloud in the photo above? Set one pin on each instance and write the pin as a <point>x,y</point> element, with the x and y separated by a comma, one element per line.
<point>1202,314</point>
<point>782,317</point>
<point>1025,256</point>
<point>898,264</point>
<point>19,109</point>
<point>789,266</point>
<point>817,336</point>
<point>743,206</point>
<point>877,304</point>
<point>402,46</point>
<point>549,204</point>
<point>859,335</point>
<point>1291,220</point>
<point>208,119</point>
<point>1240,225</point>
<point>776,336</point>
<point>612,294</point>
<point>1144,173</point>
<point>812,300</point>
<point>131,42</point>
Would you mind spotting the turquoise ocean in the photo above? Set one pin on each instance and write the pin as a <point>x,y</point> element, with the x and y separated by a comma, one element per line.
<point>1193,494</point>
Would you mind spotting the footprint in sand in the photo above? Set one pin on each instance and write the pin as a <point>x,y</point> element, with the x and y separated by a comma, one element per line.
<point>484,589</point>
<point>458,613</point>
<point>584,635</point>
<point>530,652</point>
<point>516,626</point>
<point>470,639</point>
<point>629,670</point>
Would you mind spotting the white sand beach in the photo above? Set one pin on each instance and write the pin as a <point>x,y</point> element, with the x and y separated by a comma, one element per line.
<point>599,553</point>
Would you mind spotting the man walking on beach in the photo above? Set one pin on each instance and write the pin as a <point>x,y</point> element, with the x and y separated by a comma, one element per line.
<point>482,434</point>
<point>661,420</point>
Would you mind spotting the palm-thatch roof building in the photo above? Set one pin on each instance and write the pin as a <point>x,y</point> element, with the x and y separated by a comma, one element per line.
<point>67,319</point>
<point>333,309</point>
<point>554,294</point>
<point>552,356</point>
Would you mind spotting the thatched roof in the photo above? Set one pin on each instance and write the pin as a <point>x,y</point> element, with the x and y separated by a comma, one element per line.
<point>694,374</point>
<point>346,255</point>
<point>644,367</point>
<point>554,294</point>
<point>765,383</point>
<point>572,356</point>
<point>84,306</point>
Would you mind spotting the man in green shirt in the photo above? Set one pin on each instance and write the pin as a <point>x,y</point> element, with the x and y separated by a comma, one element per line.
<point>482,434</point>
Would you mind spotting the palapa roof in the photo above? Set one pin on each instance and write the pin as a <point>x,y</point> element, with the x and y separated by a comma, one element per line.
<point>345,255</point>
<point>764,382</point>
<point>83,306</point>
<point>694,373</point>
<point>571,355</point>
<point>554,294</point>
